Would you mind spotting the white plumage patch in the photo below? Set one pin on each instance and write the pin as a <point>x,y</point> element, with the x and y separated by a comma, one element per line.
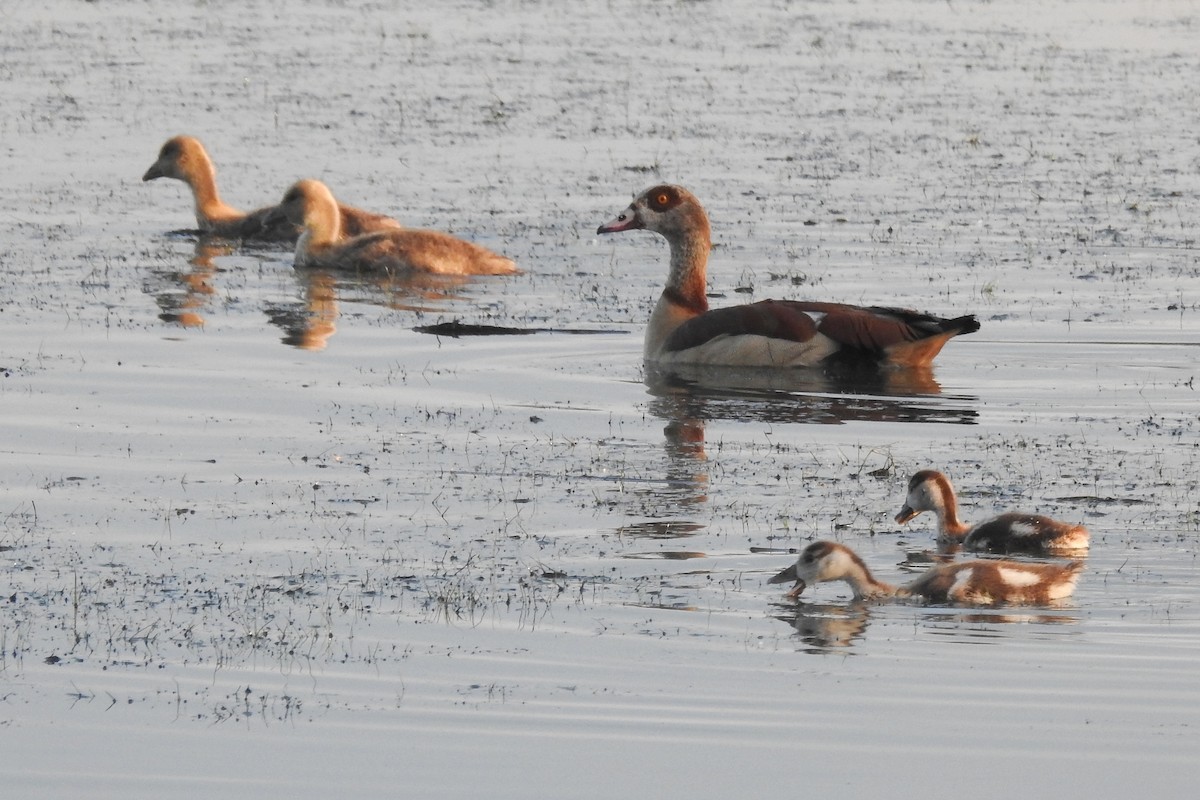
<point>1023,530</point>
<point>962,584</point>
<point>1018,577</point>
<point>754,351</point>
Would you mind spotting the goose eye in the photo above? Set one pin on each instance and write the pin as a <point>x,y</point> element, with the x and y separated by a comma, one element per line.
<point>662,199</point>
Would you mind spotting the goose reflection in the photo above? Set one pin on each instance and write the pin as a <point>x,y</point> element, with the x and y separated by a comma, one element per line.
<point>956,624</point>
<point>683,487</point>
<point>825,627</point>
<point>687,461</point>
<point>812,396</point>
<point>183,296</point>
<point>830,627</point>
<point>310,321</point>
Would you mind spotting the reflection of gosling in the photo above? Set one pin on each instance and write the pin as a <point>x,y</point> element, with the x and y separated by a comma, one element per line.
<point>310,203</point>
<point>969,583</point>
<point>185,159</point>
<point>826,626</point>
<point>930,490</point>
<point>770,333</point>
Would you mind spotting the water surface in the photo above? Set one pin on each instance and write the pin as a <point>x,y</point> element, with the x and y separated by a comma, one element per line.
<point>263,536</point>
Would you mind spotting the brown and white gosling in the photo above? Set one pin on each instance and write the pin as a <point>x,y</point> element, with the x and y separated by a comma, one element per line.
<point>770,333</point>
<point>967,583</point>
<point>185,159</point>
<point>1015,532</point>
<point>310,204</point>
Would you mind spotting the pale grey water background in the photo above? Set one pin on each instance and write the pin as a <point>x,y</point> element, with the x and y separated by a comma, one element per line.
<point>432,567</point>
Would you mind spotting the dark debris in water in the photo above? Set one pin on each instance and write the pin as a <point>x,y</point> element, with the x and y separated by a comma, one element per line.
<point>1096,500</point>
<point>669,555</point>
<point>659,529</point>
<point>456,329</point>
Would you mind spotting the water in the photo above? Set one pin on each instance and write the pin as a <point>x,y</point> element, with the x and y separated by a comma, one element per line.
<point>271,538</point>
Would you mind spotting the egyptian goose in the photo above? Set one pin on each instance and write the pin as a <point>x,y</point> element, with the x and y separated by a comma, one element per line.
<point>930,490</point>
<point>769,333</point>
<point>968,583</point>
<point>310,204</point>
<point>185,159</point>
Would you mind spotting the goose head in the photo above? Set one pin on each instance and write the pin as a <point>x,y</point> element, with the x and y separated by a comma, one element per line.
<point>180,157</point>
<point>670,211</point>
<point>308,204</point>
<point>928,490</point>
<point>825,561</point>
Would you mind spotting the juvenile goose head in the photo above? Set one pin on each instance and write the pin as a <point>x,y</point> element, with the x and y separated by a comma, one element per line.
<point>1013,532</point>
<point>930,490</point>
<point>828,561</point>
<point>309,204</point>
<point>183,158</point>
<point>770,333</point>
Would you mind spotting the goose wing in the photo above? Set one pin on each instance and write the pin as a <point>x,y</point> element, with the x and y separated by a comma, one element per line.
<point>870,331</point>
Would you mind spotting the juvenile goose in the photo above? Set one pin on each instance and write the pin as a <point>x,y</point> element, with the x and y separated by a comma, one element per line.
<point>771,333</point>
<point>930,490</point>
<point>968,583</point>
<point>185,159</point>
<point>310,204</point>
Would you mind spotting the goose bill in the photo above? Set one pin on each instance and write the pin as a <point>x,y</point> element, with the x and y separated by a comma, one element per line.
<point>627,220</point>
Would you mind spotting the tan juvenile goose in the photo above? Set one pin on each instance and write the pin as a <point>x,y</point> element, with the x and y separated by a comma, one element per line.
<point>1015,532</point>
<point>770,333</point>
<point>310,204</point>
<point>185,159</point>
<point>967,583</point>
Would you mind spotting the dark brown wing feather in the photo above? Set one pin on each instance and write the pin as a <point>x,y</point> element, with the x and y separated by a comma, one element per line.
<point>876,328</point>
<point>356,221</point>
<point>997,535</point>
<point>264,226</point>
<point>868,331</point>
<point>771,318</point>
<point>935,585</point>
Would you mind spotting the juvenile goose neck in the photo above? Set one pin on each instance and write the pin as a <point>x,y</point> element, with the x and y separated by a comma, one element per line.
<point>949,525</point>
<point>865,584</point>
<point>322,221</point>
<point>202,177</point>
<point>846,565</point>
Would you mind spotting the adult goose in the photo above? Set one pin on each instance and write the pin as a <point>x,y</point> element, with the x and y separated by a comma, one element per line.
<point>310,205</point>
<point>1014,532</point>
<point>770,333</point>
<point>967,583</point>
<point>185,159</point>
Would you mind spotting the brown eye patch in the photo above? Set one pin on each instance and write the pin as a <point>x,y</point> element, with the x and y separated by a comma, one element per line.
<point>814,552</point>
<point>662,198</point>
